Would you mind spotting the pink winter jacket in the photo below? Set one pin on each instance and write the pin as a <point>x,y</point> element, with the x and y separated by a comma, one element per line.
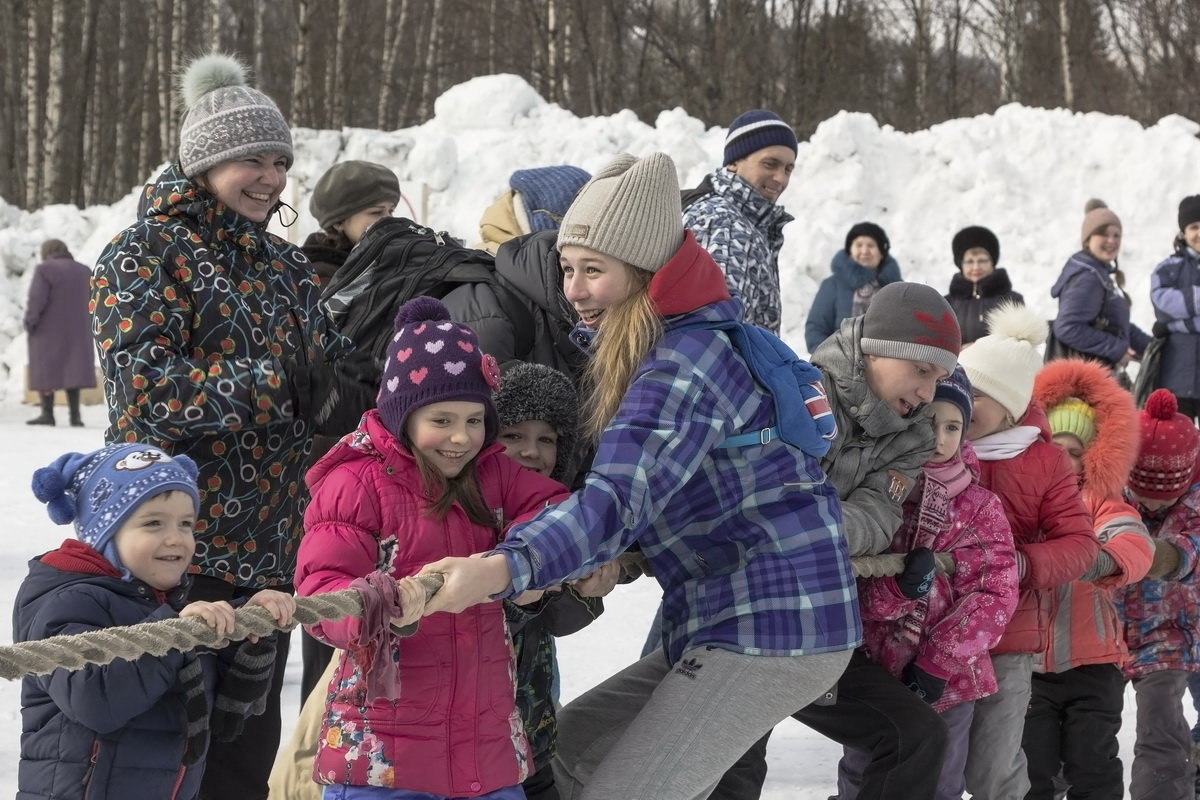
<point>454,731</point>
<point>967,611</point>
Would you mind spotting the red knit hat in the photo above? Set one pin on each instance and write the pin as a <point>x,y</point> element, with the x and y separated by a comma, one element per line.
<point>1169,449</point>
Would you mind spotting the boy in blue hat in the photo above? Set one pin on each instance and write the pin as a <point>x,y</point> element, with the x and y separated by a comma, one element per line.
<point>129,728</point>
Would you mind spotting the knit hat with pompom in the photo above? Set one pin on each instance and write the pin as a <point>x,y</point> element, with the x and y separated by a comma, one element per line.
<point>99,491</point>
<point>433,360</point>
<point>225,118</point>
<point>1096,217</point>
<point>1004,363</point>
<point>1170,446</point>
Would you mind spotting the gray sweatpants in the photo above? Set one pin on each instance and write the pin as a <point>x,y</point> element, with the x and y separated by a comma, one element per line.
<point>996,768</point>
<point>657,731</point>
<point>1162,752</point>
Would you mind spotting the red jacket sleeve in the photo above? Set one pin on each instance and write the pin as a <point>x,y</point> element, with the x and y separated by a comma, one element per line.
<point>1068,545</point>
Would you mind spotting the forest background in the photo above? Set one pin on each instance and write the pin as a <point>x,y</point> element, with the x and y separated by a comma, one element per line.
<point>89,106</point>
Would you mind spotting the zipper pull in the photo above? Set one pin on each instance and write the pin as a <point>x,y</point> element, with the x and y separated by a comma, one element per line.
<point>87,776</point>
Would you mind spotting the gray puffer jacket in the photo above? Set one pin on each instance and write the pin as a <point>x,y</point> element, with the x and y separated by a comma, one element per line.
<point>877,454</point>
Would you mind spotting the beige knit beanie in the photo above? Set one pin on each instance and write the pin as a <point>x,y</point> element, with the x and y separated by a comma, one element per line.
<point>630,211</point>
<point>1096,217</point>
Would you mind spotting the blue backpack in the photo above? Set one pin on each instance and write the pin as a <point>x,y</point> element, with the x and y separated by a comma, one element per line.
<point>803,417</point>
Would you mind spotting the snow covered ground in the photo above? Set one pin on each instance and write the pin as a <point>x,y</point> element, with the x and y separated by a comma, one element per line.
<point>1023,172</point>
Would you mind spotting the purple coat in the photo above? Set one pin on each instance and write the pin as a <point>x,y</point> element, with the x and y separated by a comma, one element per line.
<point>61,350</point>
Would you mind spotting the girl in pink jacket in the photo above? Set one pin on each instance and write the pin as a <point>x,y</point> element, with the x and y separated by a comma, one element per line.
<point>938,643</point>
<point>432,715</point>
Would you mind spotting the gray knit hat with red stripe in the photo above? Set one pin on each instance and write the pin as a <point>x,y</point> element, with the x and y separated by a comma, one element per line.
<point>754,130</point>
<point>914,322</point>
<point>433,360</point>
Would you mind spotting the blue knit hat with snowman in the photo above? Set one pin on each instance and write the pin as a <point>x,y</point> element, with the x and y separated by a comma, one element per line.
<point>99,491</point>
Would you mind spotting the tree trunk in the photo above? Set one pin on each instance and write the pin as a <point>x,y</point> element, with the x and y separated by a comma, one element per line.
<point>149,143</point>
<point>431,83</point>
<point>34,110</point>
<point>301,103</point>
<point>12,72</point>
<point>83,116</point>
<point>395,22</point>
<point>1064,41</point>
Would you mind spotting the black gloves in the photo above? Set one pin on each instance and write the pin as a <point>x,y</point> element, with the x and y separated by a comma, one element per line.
<point>1160,330</point>
<point>926,686</point>
<point>919,568</point>
<point>195,704</point>
<point>243,689</point>
<point>332,397</point>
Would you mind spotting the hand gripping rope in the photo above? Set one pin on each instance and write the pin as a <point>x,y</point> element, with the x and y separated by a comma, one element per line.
<point>130,642</point>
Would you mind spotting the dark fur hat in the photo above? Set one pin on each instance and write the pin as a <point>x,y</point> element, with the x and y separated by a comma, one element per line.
<point>535,391</point>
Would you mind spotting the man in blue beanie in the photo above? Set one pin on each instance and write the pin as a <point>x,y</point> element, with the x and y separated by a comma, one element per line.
<point>734,215</point>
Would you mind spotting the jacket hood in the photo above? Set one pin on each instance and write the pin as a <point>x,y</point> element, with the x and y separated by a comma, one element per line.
<point>995,285</point>
<point>530,264</point>
<point>761,211</point>
<point>174,195</point>
<point>689,280</point>
<point>372,441</point>
<point>852,275</point>
<point>1080,262</point>
<point>74,564</point>
<point>1111,455</point>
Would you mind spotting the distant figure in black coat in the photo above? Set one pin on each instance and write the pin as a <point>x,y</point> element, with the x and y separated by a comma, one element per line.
<point>979,285</point>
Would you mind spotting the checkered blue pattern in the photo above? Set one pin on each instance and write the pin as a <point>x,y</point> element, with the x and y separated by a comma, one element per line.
<point>746,542</point>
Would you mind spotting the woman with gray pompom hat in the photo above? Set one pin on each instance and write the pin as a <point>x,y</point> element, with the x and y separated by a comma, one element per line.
<point>211,342</point>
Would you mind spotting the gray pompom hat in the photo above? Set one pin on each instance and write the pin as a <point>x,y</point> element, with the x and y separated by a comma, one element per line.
<point>629,210</point>
<point>225,118</point>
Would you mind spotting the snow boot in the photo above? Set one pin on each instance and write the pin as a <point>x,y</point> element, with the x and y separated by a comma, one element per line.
<point>73,404</point>
<point>47,415</point>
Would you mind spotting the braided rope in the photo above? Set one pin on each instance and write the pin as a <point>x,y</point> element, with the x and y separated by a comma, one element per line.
<point>130,642</point>
<point>635,565</point>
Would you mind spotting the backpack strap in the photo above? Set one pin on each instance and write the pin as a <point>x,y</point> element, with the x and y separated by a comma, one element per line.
<point>752,439</point>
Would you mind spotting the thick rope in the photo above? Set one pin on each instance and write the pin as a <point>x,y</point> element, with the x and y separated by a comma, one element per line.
<point>131,642</point>
<point>634,565</point>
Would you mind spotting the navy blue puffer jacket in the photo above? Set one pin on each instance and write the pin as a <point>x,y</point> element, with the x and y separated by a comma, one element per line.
<point>102,732</point>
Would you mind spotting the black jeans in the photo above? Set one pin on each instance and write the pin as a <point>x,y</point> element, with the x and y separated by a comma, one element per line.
<point>1072,726</point>
<point>240,768</point>
<point>876,714</point>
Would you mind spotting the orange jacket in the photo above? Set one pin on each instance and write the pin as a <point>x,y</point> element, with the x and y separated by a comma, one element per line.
<point>1084,626</point>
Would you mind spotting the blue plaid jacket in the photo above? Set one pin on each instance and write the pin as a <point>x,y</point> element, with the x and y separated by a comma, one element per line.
<point>746,542</point>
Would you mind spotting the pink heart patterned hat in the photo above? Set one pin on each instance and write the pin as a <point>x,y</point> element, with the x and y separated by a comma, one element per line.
<point>432,359</point>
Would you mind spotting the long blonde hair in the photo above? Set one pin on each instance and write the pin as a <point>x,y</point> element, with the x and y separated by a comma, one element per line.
<point>630,331</point>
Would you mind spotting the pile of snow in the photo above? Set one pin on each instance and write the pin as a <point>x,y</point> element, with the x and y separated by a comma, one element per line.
<point>1023,172</point>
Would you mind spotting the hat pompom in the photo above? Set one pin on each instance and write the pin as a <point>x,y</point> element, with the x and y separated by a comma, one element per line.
<point>1016,321</point>
<point>421,309</point>
<point>49,486</point>
<point>1161,404</point>
<point>1092,204</point>
<point>187,465</point>
<point>209,73</point>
